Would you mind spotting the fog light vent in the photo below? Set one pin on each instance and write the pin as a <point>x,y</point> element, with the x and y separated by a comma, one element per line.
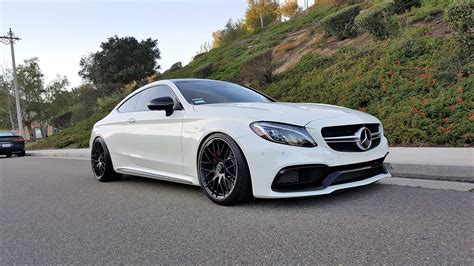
<point>288,177</point>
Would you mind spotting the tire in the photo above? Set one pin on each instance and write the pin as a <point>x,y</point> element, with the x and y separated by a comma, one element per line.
<point>8,155</point>
<point>22,154</point>
<point>223,171</point>
<point>101,163</point>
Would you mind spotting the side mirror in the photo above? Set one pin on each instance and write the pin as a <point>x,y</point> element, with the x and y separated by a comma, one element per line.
<point>162,104</point>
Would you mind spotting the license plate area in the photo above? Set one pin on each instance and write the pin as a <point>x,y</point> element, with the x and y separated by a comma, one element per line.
<point>6,145</point>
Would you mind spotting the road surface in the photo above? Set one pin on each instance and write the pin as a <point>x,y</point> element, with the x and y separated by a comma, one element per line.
<point>54,211</point>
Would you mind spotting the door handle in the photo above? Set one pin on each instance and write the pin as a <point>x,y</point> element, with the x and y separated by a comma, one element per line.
<point>131,120</point>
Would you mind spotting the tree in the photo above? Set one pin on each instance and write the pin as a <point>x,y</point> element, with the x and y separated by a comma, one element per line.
<point>7,114</point>
<point>204,48</point>
<point>231,31</point>
<point>40,104</point>
<point>216,39</point>
<point>261,13</point>
<point>289,8</point>
<point>30,84</point>
<point>120,61</point>
<point>58,101</point>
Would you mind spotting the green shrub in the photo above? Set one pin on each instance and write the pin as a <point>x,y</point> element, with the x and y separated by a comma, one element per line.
<point>377,20</point>
<point>347,2</point>
<point>341,24</point>
<point>402,5</point>
<point>175,66</point>
<point>204,71</point>
<point>257,69</point>
<point>460,17</point>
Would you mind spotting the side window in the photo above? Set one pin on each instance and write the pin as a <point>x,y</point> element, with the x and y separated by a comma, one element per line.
<point>129,105</point>
<point>152,93</point>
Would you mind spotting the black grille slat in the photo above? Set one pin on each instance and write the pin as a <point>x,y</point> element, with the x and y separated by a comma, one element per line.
<point>358,175</point>
<point>350,146</point>
<point>349,130</point>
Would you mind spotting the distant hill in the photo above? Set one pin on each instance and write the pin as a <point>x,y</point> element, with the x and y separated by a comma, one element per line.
<point>418,80</point>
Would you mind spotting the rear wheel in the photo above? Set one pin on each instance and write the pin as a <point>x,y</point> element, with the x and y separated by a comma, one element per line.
<point>22,153</point>
<point>9,155</point>
<point>101,162</point>
<point>223,171</point>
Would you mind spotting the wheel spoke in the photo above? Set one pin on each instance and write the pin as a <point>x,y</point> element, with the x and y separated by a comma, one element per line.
<point>226,185</point>
<point>207,155</point>
<point>232,165</point>
<point>207,170</point>
<point>209,180</point>
<point>229,173</point>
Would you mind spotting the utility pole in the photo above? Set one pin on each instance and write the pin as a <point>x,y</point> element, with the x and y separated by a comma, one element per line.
<point>11,39</point>
<point>261,4</point>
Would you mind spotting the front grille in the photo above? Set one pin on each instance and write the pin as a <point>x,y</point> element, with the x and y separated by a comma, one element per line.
<point>359,175</point>
<point>346,138</point>
<point>316,177</point>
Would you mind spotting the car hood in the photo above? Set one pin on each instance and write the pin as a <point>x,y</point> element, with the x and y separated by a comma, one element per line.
<point>292,113</point>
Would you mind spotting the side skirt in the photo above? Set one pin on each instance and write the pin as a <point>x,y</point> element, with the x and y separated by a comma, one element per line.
<point>159,176</point>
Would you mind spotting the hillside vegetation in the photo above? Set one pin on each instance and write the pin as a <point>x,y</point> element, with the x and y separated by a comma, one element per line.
<point>411,68</point>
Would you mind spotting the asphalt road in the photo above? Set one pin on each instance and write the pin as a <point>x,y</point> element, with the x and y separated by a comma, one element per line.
<point>54,211</point>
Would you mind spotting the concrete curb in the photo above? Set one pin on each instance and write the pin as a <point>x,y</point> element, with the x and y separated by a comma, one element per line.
<point>432,172</point>
<point>66,153</point>
<point>443,170</point>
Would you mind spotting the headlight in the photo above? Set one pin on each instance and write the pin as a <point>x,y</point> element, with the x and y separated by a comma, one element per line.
<point>283,134</point>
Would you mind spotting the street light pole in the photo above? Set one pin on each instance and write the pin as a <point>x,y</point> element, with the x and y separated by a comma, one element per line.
<point>11,39</point>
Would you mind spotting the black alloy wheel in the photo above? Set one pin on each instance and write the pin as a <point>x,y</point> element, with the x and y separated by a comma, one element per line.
<point>101,163</point>
<point>223,171</point>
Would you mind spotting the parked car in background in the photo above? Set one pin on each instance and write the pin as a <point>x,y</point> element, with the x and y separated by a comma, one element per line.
<point>10,143</point>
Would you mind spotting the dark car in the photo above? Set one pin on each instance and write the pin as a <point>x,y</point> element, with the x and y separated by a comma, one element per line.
<point>10,143</point>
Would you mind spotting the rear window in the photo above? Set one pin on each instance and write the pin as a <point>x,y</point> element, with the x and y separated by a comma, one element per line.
<point>6,134</point>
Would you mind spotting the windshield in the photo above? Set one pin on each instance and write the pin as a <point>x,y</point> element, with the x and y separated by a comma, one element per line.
<point>198,92</point>
<point>6,134</point>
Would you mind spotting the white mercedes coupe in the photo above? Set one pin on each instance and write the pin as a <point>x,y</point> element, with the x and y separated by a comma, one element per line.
<point>236,142</point>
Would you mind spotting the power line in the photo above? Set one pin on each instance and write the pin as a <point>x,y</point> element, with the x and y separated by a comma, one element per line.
<point>12,39</point>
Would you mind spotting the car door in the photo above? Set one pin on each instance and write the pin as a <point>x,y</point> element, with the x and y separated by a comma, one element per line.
<point>155,139</point>
<point>117,133</point>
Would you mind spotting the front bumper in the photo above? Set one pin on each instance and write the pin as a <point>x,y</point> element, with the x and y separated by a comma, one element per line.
<point>266,159</point>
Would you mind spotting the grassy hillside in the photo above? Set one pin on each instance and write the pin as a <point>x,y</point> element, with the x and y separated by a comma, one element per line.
<point>418,81</point>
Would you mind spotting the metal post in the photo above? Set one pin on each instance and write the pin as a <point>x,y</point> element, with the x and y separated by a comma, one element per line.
<point>10,39</point>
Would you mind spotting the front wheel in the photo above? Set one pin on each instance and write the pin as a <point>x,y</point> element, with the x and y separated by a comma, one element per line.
<point>223,171</point>
<point>101,162</point>
<point>9,155</point>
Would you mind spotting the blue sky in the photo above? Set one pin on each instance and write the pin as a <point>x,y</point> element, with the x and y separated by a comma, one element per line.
<point>60,32</point>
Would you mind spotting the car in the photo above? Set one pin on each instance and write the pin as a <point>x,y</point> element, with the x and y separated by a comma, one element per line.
<point>10,143</point>
<point>236,142</point>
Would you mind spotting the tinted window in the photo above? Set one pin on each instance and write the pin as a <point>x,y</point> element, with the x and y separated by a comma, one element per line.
<point>212,91</point>
<point>6,134</point>
<point>152,93</point>
<point>129,105</point>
